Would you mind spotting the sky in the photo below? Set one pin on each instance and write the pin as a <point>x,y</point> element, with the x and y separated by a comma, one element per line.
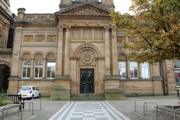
<point>42,6</point>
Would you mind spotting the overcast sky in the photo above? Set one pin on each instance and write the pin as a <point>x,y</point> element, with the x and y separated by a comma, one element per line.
<point>51,6</point>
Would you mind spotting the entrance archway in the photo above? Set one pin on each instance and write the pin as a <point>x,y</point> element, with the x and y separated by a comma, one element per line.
<point>4,75</point>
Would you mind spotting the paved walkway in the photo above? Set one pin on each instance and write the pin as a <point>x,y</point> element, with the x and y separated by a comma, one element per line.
<point>96,110</point>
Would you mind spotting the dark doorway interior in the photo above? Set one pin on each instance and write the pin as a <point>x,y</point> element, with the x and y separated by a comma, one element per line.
<point>4,75</point>
<point>86,81</point>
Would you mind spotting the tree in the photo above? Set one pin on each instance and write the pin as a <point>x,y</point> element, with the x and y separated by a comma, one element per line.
<point>156,25</point>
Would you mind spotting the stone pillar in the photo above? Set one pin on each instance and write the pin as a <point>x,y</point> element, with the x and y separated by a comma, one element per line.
<point>59,51</point>
<point>67,47</point>
<point>21,12</point>
<point>114,52</point>
<point>14,78</point>
<point>107,51</point>
<point>16,51</point>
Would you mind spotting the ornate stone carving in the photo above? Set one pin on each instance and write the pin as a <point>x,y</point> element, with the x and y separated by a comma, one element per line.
<point>87,57</point>
<point>89,10</point>
<point>28,38</point>
<point>51,38</point>
<point>40,38</point>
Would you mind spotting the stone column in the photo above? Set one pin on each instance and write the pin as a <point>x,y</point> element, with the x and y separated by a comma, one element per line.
<point>114,52</point>
<point>59,51</point>
<point>107,51</point>
<point>67,47</point>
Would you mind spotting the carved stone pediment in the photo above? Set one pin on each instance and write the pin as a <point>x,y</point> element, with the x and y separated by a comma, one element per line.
<point>85,9</point>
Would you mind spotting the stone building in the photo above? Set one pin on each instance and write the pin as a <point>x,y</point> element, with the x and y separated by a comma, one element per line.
<point>76,51</point>
<point>6,42</point>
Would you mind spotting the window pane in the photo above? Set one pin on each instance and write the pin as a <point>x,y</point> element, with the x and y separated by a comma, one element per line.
<point>36,72</point>
<point>26,69</point>
<point>122,69</point>
<point>133,70</point>
<point>28,72</point>
<point>145,70</point>
<point>24,72</point>
<point>177,77</point>
<point>40,71</point>
<point>51,69</point>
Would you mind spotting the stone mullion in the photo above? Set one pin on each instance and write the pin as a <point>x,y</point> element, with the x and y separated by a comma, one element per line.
<point>114,52</point>
<point>44,69</point>
<point>128,69</point>
<point>59,52</point>
<point>32,69</point>
<point>67,47</point>
<point>107,51</point>
<point>139,71</point>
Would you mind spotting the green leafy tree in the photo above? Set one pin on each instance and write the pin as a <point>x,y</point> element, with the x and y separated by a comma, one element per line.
<point>156,25</point>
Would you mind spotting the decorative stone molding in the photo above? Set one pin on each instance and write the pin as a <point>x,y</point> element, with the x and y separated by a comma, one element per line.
<point>28,38</point>
<point>26,56</point>
<point>51,38</point>
<point>40,38</point>
<point>5,63</point>
<point>51,56</point>
<point>87,57</point>
<point>91,47</point>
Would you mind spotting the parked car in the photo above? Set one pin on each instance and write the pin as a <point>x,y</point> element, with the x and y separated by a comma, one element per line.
<point>29,92</point>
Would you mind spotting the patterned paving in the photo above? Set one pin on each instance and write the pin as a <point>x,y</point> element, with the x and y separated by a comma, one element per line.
<point>88,111</point>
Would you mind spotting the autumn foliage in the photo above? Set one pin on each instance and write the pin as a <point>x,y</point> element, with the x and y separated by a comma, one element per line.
<point>156,25</point>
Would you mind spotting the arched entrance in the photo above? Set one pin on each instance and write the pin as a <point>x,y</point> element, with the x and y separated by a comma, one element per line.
<point>4,75</point>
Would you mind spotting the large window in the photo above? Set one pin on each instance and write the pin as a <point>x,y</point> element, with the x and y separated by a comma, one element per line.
<point>133,70</point>
<point>51,69</point>
<point>26,69</point>
<point>145,70</point>
<point>38,69</point>
<point>177,73</point>
<point>122,69</point>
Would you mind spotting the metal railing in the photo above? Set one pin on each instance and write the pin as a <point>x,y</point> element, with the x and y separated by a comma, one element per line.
<point>137,101</point>
<point>39,101</point>
<point>145,105</point>
<point>162,106</point>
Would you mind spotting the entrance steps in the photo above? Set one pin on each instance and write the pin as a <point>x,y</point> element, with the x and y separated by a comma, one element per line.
<point>87,97</point>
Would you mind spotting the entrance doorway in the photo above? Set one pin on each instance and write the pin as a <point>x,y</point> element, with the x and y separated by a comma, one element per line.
<point>4,75</point>
<point>86,81</point>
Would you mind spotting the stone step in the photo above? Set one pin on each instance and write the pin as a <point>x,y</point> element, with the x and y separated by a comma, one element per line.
<point>87,97</point>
